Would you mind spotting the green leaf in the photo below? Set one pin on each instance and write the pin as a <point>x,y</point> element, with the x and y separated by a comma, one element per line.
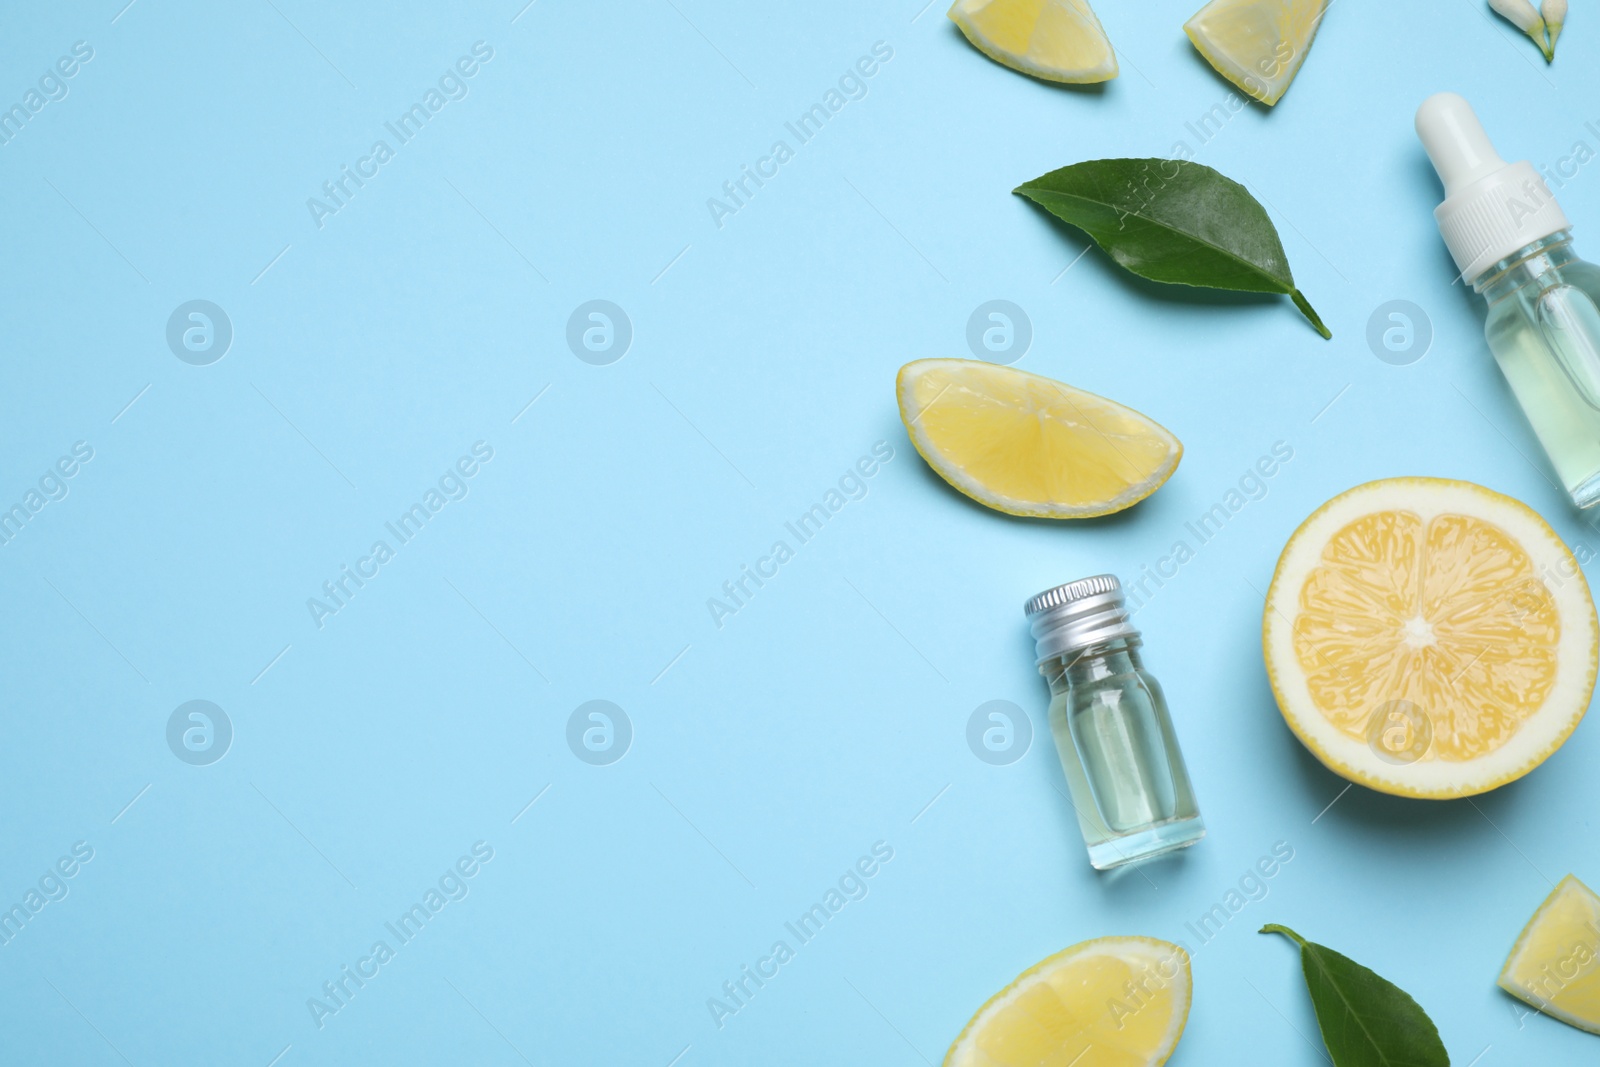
<point>1173,221</point>
<point>1366,1021</point>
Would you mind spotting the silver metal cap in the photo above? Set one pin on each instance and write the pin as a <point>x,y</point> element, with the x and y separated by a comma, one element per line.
<point>1086,612</point>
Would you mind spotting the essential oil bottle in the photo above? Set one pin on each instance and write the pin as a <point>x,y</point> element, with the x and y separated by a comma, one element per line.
<point>1511,240</point>
<point>1109,719</point>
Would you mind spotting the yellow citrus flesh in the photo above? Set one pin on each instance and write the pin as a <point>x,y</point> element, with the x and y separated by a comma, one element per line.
<point>1429,638</point>
<point>1258,45</point>
<point>1555,964</point>
<point>1058,40</point>
<point>1029,445</point>
<point>1110,1002</point>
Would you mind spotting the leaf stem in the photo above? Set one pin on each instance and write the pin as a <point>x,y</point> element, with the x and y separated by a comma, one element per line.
<point>1274,928</point>
<point>1305,309</point>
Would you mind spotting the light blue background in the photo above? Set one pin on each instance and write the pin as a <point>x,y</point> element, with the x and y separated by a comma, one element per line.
<point>830,712</point>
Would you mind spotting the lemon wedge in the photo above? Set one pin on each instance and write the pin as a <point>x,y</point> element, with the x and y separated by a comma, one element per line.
<point>1110,1002</point>
<point>1057,40</point>
<point>1429,638</point>
<point>1028,445</point>
<point>1555,964</point>
<point>1258,45</point>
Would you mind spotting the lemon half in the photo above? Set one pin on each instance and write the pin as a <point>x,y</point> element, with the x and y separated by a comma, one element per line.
<point>1029,445</point>
<point>1057,40</point>
<point>1429,638</point>
<point>1110,1002</point>
<point>1258,45</point>
<point>1555,964</point>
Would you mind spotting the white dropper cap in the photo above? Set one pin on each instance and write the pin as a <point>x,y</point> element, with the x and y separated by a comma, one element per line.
<point>1491,208</point>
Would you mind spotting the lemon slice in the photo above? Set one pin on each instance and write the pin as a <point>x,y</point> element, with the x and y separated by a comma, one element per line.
<point>1429,638</point>
<point>1028,445</point>
<point>1110,1002</point>
<point>1555,964</point>
<point>1057,40</point>
<point>1258,45</point>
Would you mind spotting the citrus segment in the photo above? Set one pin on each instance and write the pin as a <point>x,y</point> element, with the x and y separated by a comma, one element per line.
<point>1058,40</point>
<point>1110,1002</point>
<point>1257,45</point>
<point>1555,964</point>
<point>1429,638</point>
<point>1029,445</point>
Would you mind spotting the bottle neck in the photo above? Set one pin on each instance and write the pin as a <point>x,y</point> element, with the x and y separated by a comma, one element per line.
<point>1094,663</point>
<point>1528,265</point>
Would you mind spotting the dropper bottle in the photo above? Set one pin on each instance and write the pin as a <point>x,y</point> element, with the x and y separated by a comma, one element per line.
<point>1512,241</point>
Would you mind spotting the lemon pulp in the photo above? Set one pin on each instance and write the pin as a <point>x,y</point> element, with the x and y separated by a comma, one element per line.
<point>1429,638</point>
<point>1555,964</point>
<point>1029,445</point>
<point>1110,1002</point>
<point>1446,614</point>
<point>1257,45</point>
<point>1058,40</point>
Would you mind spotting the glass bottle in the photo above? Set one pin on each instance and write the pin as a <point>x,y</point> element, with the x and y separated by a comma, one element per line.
<point>1544,329</point>
<point>1512,240</point>
<point>1124,771</point>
